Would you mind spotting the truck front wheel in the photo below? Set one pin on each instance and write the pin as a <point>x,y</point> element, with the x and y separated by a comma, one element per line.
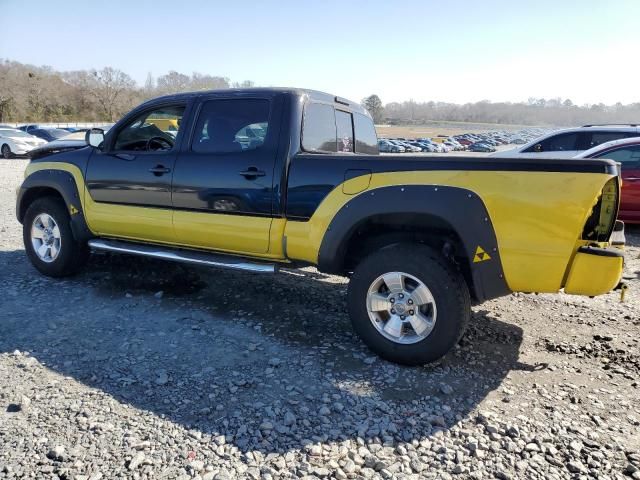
<point>49,241</point>
<point>408,304</point>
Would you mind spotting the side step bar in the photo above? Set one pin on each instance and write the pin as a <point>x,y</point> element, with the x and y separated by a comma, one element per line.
<point>183,256</point>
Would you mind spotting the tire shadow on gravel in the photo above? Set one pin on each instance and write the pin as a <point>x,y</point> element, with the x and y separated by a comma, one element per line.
<point>270,362</point>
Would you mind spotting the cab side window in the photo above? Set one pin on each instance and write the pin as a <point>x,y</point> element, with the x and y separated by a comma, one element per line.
<point>326,129</point>
<point>154,130</point>
<point>231,125</point>
<point>319,128</point>
<point>344,128</point>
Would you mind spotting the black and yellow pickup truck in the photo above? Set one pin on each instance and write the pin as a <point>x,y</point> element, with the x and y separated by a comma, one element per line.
<point>255,179</point>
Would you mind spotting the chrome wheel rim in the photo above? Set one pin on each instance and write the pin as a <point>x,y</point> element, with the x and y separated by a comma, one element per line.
<point>401,308</point>
<point>45,237</point>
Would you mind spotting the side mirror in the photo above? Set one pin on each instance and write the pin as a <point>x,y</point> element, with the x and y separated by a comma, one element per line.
<point>537,147</point>
<point>94,137</point>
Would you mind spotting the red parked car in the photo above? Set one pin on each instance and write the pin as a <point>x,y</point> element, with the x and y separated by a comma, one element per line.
<point>627,152</point>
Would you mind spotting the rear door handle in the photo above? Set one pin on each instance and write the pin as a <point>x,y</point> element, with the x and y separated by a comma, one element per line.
<point>252,172</point>
<point>159,170</point>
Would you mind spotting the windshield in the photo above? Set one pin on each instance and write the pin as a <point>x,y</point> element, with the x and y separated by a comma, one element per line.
<point>7,132</point>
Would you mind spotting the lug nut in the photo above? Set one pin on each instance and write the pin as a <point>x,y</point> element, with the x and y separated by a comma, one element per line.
<point>393,311</point>
<point>392,300</point>
<point>402,317</point>
<point>411,312</point>
<point>401,295</point>
<point>410,302</point>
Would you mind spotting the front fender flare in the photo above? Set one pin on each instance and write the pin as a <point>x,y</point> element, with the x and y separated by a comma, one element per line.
<point>62,182</point>
<point>463,209</point>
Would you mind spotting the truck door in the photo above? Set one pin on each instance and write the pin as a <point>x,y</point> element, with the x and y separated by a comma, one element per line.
<point>129,182</point>
<point>223,184</point>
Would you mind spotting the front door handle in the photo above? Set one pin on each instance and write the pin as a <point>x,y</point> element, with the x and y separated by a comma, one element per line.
<point>252,172</point>
<point>159,170</point>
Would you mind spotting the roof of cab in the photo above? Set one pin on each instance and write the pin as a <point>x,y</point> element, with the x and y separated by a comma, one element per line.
<point>312,94</point>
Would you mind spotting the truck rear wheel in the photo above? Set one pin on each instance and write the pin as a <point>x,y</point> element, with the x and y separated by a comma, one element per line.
<point>49,241</point>
<point>408,304</point>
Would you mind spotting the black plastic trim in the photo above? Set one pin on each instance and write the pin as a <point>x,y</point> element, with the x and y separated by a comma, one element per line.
<point>64,183</point>
<point>460,208</point>
<point>601,252</point>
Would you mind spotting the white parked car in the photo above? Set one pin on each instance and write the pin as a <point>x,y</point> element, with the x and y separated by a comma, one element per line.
<point>16,142</point>
<point>570,142</point>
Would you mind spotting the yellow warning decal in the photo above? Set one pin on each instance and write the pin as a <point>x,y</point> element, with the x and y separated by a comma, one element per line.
<point>73,209</point>
<point>481,255</point>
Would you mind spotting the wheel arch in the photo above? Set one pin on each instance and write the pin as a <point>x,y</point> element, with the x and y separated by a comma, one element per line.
<point>57,183</point>
<point>452,220</point>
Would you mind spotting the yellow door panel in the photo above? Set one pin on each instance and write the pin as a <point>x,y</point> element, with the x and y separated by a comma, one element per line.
<point>133,223</point>
<point>229,233</point>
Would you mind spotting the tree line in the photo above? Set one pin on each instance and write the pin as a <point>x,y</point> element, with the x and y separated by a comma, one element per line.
<point>31,93</point>
<point>535,111</point>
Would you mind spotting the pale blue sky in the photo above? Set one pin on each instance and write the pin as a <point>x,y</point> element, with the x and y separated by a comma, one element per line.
<point>448,50</point>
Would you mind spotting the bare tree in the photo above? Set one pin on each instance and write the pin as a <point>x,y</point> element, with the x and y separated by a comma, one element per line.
<point>173,82</point>
<point>374,105</point>
<point>110,90</point>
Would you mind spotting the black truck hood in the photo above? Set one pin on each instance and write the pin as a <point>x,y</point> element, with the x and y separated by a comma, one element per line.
<point>56,146</point>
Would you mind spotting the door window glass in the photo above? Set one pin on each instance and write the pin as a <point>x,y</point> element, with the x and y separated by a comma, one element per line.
<point>154,130</point>
<point>231,125</point>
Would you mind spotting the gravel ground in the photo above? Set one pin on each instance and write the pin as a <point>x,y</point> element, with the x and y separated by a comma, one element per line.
<point>143,369</point>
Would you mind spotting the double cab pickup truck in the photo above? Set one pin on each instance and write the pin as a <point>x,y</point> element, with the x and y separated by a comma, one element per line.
<point>257,179</point>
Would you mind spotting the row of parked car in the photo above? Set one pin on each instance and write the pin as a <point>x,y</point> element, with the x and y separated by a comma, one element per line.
<point>473,142</point>
<point>620,143</point>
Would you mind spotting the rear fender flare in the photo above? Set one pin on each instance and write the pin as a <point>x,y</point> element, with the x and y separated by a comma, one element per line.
<point>463,209</point>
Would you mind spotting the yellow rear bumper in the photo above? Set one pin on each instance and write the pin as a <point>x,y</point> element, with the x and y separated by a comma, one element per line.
<point>595,271</point>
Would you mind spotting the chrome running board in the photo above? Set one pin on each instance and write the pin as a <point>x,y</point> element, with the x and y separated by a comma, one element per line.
<point>180,255</point>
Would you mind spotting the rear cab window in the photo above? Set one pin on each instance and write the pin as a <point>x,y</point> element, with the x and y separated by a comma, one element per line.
<point>326,129</point>
<point>344,128</point>
<point>365,132</point>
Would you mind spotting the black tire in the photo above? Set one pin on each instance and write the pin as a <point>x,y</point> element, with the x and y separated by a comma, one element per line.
<point>72,255</point>
<point>6,151</point>
<point>447,286</point>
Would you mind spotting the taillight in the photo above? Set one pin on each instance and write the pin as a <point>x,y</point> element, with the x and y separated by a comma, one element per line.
<point>603,216</point>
